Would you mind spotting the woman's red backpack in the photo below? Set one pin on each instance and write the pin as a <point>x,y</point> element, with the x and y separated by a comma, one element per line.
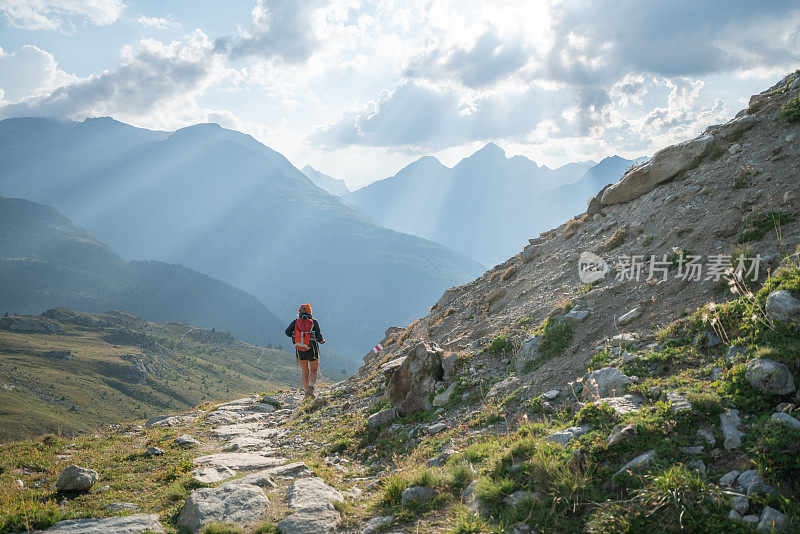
<point>303,329</point>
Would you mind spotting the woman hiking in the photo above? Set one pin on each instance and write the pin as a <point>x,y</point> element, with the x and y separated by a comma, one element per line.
<point>306,335</point>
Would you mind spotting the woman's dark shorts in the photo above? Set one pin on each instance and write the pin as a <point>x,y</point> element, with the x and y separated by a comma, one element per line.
<point>310,355</point>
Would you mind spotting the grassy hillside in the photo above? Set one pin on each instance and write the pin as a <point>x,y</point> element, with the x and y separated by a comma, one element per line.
<point>114,367</point>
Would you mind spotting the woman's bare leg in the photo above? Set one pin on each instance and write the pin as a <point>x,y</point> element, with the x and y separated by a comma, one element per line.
<point>304,369</point>
<point>314,366</point>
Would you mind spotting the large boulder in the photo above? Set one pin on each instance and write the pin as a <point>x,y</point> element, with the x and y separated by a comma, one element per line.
<point>411,383</point>
<point>783,308</point>
<point>665,164</point>
<point>239,504</point>
<point>75,478</point>
<point>605,382</point>
<point>769,376</point>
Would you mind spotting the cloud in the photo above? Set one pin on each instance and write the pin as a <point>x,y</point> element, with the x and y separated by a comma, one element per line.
<point>151,76</point>
<point>414,115</point>
<point>281,29</point>
<point>59,14</point>
<point>30,72</point>
<point>486,61</point>
<point>630,90</point>
<point>157,23</point>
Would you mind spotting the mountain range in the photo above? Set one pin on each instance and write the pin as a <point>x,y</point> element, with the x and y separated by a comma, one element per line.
<point>488,205</point>
<point>334,186</point>
<point>47,262</point>
<point>222,203</point>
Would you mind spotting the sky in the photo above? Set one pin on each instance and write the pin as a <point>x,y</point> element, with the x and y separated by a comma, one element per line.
<point>358,89</point>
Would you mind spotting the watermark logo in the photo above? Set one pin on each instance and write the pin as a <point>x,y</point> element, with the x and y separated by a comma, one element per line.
<point>592,268</point>
<point>677,265</point>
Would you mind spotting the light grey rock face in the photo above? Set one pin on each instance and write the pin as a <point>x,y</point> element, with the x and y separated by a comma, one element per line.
<point>622,405</point>
<point>568,434</point>
<point>605,382</point>
<point>577,315</point>
<point>311,492</point>
<point>769,376</point>
<point>639,463</point>
<point>783,307</point>
<point>621,433</point>
<point>74,478</point>
<point>771,520</point>
<point>131,524</point>
<point>630,316</point>
<point>415,379</point>
<point>729,423</point>
<point>376,524</point>
<point>435,428</point>
<point>529,352</point>
<point>444,397</point>
<point>210,475</point>
<point>736,126</point>
<point>322,519</point>
<point>293,470</point>
<point>417,493</point>
<point>238,461</point>
<point>665,164</point>
<point>186,440</point>
<point>29,323</point>
<point>240,504</point>
<point>678,403</point>
<point>381,418</point>
<point>222,417</point>
<point>785,419</point>
<point>550,395</point>
<point>449,365</point>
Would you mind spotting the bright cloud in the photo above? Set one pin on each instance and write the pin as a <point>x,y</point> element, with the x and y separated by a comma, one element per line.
<point>59,14</point>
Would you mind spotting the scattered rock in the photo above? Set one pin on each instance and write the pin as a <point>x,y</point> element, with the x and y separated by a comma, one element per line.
<point>747,478</point>
<point>262,479</point>
<point>678,403</point>
<point>528,353</point>
<point>449,362</point>
<point>605,382</point>
<point>186,440</point>
<point>311,493</point>
<point>622,405</point>
<point>565,436</point>
<point>751,519</point>
<point>621,433</point>
<point>577,315</point>
<point>550,395</point>
<point>707,435</point>
<point>155,451</point>
<point>783,307</point>
<point>737,354</point>
<point>733,515</point>
<point>769,376</point>
<point>693,450</point>
<point>444,397</point>
<point>439,460</point>
<point>74,478</point>
<point>122,507</point>
<point>238,461</point>
<point>130,524</point>
<point>222,417</point>
<point>239,504</point>
<point>785,419</point>
<point>640,462</point>
<point>210,475</point>
<point>417,493</point>
<point>630,316</point>
<point>698,466</point>
<point>741,504</point>
<point>293,470</point>
<point>382,417</point>
<point>435,428</point>
<point>729,422</point>
<point>377,524</point>
<point>321,519</point>
<point>729,478</point>
<point>771,520</point>
<point>504,387</point>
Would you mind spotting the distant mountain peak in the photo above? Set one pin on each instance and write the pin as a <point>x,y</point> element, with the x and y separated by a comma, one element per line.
<point>490,150</point>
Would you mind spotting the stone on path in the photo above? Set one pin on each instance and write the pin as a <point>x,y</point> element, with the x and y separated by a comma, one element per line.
<point>239,461</point>
<point>293,470</point>
<point>222,417</point>
<point>321,519</point>
<point>261,479</point>
<point>74,478</point>
<point>131,524</point>
<point>210,475</point>
<point>311,492</point>
<point>240,504</point>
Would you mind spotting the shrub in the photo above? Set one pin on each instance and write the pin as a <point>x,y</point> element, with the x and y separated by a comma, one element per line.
<point>556,337</point>
<point>499,345</point>
<point>790,111</point>
<point>758,224</point>
<point>616,239</point>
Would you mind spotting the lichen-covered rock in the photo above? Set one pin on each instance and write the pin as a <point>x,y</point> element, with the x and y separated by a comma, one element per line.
<point>417,493</point>
<point>382,417</point>
<point>131,524</point>
<point>605,382</point>
<point>74,478</point>
<point>783,307</point>
<point>769,376</point>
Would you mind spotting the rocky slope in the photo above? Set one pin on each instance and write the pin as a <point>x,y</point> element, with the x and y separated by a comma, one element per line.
<point>527,400</point>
